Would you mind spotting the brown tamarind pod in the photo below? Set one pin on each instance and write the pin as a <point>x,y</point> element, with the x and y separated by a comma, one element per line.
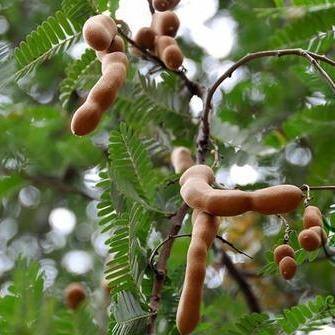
<point>312,217</point>
<point>86,118</point>
<point>203,234</point>
<point>321,232</point>
<point>99,32</point>
<point>172,57</point>
<point>165,23</point>
<point>287,267</point>
<point>145,38</point>
<point>117,45</point>
<point>309,240</point>
<point>203,172</point>
<point>276,199</point>
<point>163,5</point>
<point>74,295</point>
<point>181,159</point>
<point>110,60</point>
<point>282,251</point>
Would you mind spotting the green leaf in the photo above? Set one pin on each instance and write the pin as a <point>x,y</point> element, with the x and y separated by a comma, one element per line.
<point>54,36</point>
<point>130,318</point>
<point>131,165</point>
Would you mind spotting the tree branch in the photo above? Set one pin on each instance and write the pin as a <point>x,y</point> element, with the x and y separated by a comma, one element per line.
<point>203,136</point>
<point>151,7</point>
<point>242,282</point>
<point>161,267</point>
<point>50,182</point>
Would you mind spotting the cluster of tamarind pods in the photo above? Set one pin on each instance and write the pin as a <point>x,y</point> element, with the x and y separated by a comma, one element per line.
<point>159,38</point>
<point>208,204</point>
<point>100,33</point>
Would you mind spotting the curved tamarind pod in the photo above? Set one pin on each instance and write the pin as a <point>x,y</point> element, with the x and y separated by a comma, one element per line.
<point>288,267</point>
<point>309,240</point>
<point>197,193</point>
<point>74,295</point>
<point>321,232</point>
<point>145,38</point>
<point>204,232</point>
<point>165,23</point>
<point>199,171</point>
<point>280,198</point>
<point>102,95</point>
<point>163,5</point>
<point>86,118</point>
<point>312,217</point>
<point>282,251</point>
<point>117,45</point>
<point>99,32</point>
<point>181,159</point>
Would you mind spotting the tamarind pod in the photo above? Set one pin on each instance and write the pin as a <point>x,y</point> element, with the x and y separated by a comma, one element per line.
<point>204,231</point>
<point>287,267</point>
<point>321,232</point>
<point>172,57</point>
<point>282,251</point>
<point>105,90</point>
<point>181,159</point>
<point>74,295</point>
<point>199,171</point>
<point>111,59</point>
<point>86,118</point>
<point>309,239</point>
<point>165,23</point>
<point>312,217</point>
<point>163,5</point>
<point>117,45</point>
<point>276,199</point>
<point>99,32</point>
<point>161,43</point>
<point>145,38</point>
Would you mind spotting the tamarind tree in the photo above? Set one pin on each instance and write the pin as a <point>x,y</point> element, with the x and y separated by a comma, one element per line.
<point>167,167</point>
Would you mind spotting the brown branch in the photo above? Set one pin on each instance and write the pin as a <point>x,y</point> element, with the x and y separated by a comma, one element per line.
<point>242,282</point>
<point>193,87</point>
<point>312,58</point>
<point>151,7</point>
<point>161,267</point>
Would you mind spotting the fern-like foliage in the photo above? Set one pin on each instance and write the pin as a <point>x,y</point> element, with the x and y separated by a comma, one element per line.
<point>144,103</point>
<point>55,35</point>
<point>303,31</point>
<point>77,76</point>
<point>305,317</point>
<point>78,10</point>
<point>131,166</point>
<point>123,272</point>
<point>129,316</point>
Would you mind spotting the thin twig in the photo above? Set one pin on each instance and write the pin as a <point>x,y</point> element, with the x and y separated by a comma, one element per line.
<point>151,7</point>
<point>203,136</point>
<point>173,237</point>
